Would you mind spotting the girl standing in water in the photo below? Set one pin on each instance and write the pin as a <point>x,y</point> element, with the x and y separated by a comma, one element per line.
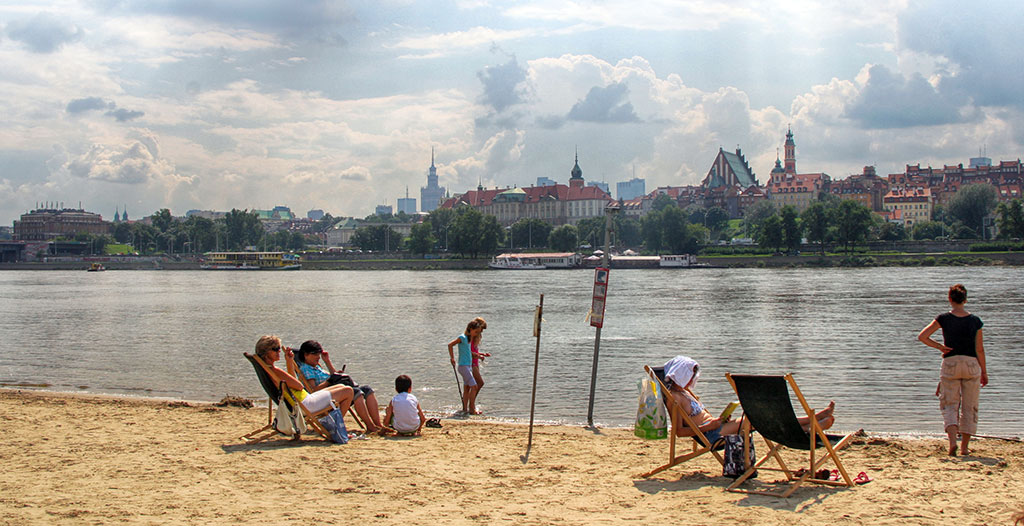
<point>474,349</point>
<point>963,372</point>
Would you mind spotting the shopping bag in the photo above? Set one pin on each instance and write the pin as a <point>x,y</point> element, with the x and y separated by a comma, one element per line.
<point>651,417</point>
<point>334,423</point>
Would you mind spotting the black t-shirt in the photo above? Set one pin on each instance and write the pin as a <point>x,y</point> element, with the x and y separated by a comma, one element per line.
<point>959,333</point>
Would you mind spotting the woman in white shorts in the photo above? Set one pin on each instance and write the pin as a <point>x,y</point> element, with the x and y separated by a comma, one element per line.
<point>269,348</point>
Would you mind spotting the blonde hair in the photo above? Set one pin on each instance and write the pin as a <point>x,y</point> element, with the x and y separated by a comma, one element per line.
<point>481,324</point>
<point>266,344</point>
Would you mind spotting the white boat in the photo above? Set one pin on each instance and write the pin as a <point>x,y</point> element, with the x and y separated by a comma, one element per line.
<point>680,260</point>
<point>510,262</point>
<point>250,261</point>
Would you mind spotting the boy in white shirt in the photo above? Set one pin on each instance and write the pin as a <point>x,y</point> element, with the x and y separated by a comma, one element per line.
<point>404,413</point>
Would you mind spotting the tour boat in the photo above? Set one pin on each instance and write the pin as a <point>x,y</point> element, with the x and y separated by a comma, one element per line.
<point>681,260</point>
<point>250,261</point>
<point>511,262</point>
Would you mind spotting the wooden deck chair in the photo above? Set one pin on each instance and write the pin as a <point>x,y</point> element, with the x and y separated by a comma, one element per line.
<point>309,387</point>
<point>279,395</point>
<point>766,403</point>
<point>680,417</point>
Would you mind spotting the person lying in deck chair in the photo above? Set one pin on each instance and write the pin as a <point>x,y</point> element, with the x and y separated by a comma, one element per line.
<point>681,375</point>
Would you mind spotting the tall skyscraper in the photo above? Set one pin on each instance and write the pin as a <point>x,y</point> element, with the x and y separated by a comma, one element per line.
<point>631,189</point>
<point>431,195</point>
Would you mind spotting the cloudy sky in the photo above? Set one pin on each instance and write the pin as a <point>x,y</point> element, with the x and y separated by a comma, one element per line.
<point>336,104</point>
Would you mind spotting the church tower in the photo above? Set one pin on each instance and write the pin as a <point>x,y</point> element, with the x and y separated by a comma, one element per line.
<point>576,175</point>
<point>117,217</point>
<point>790,152</point>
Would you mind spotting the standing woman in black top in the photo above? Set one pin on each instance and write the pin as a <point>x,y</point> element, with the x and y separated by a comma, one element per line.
<point>963,367</point>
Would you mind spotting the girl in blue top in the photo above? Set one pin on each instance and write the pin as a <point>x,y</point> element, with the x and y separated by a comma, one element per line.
<point>465,365</point>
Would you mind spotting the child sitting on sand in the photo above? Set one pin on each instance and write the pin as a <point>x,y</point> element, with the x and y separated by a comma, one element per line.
<point>404,413</point>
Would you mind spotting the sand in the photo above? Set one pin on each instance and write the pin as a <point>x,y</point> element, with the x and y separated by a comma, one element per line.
<point>70,459</point>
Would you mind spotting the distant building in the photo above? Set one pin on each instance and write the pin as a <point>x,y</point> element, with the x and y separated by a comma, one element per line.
<point>866,188</point>
<point>787,187</point>
<point>908,206</point>
<point>728,178</point>
<point>557,204</point>
<point>278,213</point>
<point>208,214</point>
<point>315,214</point>
<point>1007,177</point>
<point>978,162</point>
<point>544,181</point>
<point>602,185</point>
<point>50,223</point>
<point>631,189</point>
<point>384,210</point>
<point>407,204</point>
<point>432,194</point>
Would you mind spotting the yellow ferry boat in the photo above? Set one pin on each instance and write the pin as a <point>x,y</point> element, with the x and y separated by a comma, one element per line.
<point>250,261</point>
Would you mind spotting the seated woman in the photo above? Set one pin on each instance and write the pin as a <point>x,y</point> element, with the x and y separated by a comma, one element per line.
<point>681,375</point>
<point>269,349</point>
<point>363,401</point>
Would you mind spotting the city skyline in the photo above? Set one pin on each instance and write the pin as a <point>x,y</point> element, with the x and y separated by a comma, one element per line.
<point>337,105</point>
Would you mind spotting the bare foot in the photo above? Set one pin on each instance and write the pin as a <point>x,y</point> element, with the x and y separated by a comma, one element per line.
<point>827,412</point>
<point>952,451</point>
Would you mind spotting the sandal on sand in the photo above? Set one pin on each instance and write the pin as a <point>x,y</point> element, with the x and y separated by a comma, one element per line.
<point>833,475</point>
<point>822,475</point>
<point>862,478</point>
<point>433,422</point>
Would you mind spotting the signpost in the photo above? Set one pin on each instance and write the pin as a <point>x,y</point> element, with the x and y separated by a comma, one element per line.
<point>598,303</point>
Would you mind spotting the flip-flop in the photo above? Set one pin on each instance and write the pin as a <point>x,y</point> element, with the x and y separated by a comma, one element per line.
<point>862,478</point>
<point>833,475</point>
<point>822,475</point>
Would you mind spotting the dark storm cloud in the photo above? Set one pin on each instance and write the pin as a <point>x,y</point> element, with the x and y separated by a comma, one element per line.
<point>88,104</point>
<point>314,20</point>
<point>981,40</point>
<point>891,101</point>
<point>502,85</point>
<point>97,104</point>
<point>43,33</point>
<point>605,105</point>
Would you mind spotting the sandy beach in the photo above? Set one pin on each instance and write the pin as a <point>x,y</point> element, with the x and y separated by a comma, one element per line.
<point>73,459</point>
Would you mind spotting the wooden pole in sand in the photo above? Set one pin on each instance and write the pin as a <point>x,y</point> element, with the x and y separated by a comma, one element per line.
<point>536,361</point>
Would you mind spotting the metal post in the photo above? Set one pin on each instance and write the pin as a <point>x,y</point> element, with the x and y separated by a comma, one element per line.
<point>609,210</point>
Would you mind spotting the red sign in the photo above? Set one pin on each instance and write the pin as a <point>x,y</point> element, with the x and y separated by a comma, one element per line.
<point>600,294</point>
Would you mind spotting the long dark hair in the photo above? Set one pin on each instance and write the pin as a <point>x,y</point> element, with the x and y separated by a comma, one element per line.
<point>307,347</point>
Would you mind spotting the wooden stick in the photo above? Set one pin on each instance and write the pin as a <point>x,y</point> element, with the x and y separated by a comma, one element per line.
<point>536,362</point>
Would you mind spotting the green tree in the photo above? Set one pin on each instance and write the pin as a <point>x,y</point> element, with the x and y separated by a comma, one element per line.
<point>792,230</point>
<point>755,215</point>
<point>563,238</point>
<point>816,219</point>
<point>972,203</point>
<point>243,229</point>
<point>162,219</point>
<point>627,230</point>
<point>892,232</point>
<point>662,202</point>
<point>441,221</point>
<point>1011,219</point>
<point>853,222</point>
<point>422,239</point>
<point>927,230</point>
<point>650,230</point>
<point>676,235</point>
<point>378,237</point>
<point>771,235</point>
<point>530,232</point>
<point>199,233</point>
<point>491,235</point>
<point>591,231</point>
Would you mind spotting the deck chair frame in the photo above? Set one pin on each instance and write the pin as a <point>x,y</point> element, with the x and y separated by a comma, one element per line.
<point>283,396</point>
<point>816,438</point>
<point>309,387</point>
<point>679,417</point>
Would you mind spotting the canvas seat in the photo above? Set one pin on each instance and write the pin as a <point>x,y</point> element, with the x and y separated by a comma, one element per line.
<point>766,403</point>
<point>277,394</point>
<point>679,417</point>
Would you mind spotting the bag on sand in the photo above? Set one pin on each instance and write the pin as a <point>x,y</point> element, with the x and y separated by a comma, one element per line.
<point>733,454</point>
<point>334,423</point>
<point>651,417</point>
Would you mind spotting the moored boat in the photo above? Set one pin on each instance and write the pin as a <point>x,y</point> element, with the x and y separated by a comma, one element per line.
<point>512,262</point>
<point>250,261</point>
<point>96,267</point>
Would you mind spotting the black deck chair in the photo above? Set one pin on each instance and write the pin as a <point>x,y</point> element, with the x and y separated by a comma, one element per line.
<point>766,403</point>
<point>679,417</point>
<point>276,394</point>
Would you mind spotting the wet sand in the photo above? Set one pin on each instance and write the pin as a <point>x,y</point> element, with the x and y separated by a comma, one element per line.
<point>71,459</point>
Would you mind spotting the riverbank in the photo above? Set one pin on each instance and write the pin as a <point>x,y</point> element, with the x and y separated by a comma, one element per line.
<point>807,260</point>
<point>82,459</point>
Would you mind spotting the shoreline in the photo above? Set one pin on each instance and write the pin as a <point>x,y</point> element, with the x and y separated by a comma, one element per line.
<point>77,459</point>
<point>807,260</point>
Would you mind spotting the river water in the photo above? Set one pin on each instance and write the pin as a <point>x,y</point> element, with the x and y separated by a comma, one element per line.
<point>845,334</point>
